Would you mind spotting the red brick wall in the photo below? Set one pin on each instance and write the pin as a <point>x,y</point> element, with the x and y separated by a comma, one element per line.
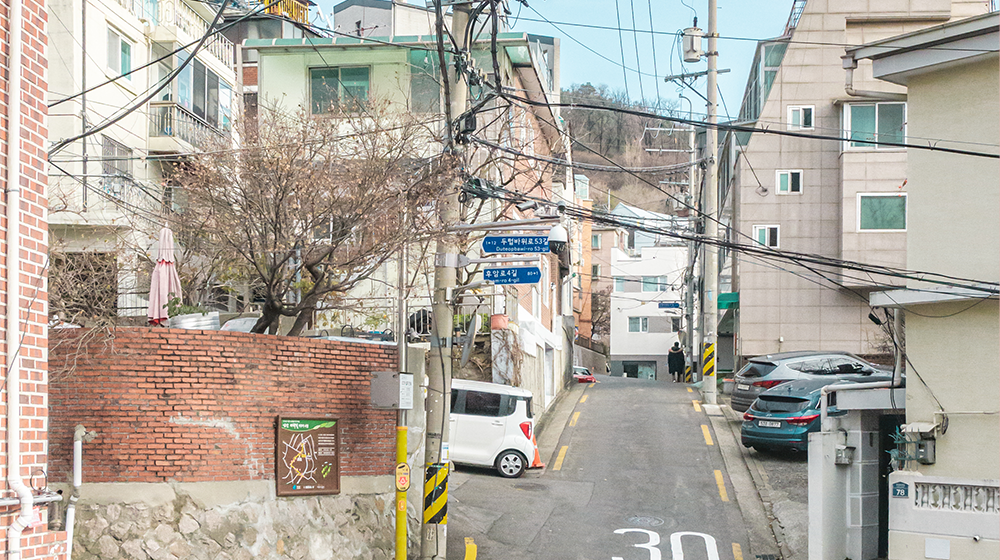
<point>190,406</point>
<point>36,542</point>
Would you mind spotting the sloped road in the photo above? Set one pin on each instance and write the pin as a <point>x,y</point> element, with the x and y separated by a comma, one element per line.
<point>636,474</point>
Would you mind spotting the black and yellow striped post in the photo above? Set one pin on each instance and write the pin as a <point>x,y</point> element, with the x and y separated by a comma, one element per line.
<point>708,362</point>
<point>436,494</point>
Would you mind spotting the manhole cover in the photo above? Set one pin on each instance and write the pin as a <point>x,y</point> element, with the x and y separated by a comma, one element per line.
<point>647,521</point>
<point>529,486</point>
<point>767,557</point>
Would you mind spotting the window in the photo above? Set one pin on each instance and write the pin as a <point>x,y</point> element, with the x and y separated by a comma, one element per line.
<point>595,241</point>
<point>619,284</point>
<point>119,54</point>
<point>882,212</point>
<point>425,91</point>
<point>595,271</point>
<point>333,88</point>
<point>478,403</point>
<point>789,182</point>
<point>766,235</point>
<point>638,324</point>
<point>116,165</point>
<point>582,184</point>
<point>675,324</point>
<point>654,284</point>
<point>800,118</point>
<point>875,122</point>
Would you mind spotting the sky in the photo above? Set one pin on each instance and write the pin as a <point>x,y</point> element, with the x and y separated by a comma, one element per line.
<point>749,19</point>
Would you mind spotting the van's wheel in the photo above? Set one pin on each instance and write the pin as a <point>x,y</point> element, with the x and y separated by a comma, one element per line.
<point>511,464</point>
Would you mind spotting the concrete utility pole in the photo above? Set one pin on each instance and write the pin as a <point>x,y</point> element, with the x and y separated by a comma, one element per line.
<point>710,320</point>
<point>434,536</point>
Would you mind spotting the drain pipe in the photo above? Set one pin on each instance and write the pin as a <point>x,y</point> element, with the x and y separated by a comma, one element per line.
<point>850,65</point>
<point>897,375</point>
<point>12,316</point>
<point>79,436</point>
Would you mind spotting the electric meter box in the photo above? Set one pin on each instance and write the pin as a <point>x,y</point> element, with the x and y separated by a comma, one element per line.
<point>392,390</point>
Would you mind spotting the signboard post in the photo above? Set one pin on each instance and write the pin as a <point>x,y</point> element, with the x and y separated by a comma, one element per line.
<point>516,244</point>
<point>307,456</point>
<point>513,275</point>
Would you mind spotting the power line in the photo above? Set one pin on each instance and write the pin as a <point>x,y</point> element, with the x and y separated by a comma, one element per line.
<point>621,47</point>
<point>635,41</point>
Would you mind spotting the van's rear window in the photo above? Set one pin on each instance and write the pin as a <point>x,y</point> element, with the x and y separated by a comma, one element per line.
<point>482,404</point>
<point>779,404</point>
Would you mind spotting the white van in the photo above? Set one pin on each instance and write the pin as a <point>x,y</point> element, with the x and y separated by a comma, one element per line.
<point>491,426</point>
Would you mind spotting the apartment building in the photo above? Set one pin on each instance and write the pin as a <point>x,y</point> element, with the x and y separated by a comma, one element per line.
<point>843,199</point>
<point>111,191</point>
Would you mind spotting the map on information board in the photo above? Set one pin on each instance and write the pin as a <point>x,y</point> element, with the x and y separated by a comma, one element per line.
<point>307,456</point>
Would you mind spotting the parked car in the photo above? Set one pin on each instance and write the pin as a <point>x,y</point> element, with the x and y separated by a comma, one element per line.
<point>764,372</point>
<point>783,417</point>
<point>491,426</point>
<point>583,375</point>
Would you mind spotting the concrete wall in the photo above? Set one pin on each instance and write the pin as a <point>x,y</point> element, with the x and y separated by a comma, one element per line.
<point>585,357</point>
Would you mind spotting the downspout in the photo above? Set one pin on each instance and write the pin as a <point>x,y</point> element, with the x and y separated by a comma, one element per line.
<point>850,65</point>
<point>897,374</point>
<point>79,435</point>
<point>14,480</point>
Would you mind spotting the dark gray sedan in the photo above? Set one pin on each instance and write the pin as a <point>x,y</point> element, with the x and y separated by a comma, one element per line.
<point>764,372</point>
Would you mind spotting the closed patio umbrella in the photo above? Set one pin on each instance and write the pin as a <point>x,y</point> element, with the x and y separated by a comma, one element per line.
<point>165,282</point>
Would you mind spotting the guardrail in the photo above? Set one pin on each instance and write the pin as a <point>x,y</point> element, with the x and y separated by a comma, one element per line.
<point>172,120</point>
<point>178,13</point>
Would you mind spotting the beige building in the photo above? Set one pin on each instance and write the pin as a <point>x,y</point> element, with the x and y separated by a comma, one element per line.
<point>840,199</point>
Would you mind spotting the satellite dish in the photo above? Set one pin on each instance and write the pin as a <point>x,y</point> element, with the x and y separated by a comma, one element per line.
<point>470,339</point>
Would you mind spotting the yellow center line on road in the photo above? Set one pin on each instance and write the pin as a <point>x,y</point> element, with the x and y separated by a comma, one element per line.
<point>576,416</point>
<point>697,406</point>
<point>708,436</point>
<point>559,458</point>
<point>583,399</point>
<point>722,486</point>
<point>690,390</point>
<point>737,551</point>
<point>470,549</point>
<point>592,384</point>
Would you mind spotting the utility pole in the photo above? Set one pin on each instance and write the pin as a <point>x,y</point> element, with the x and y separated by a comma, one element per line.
<point>433,537</point>
<point>83,100</point>
<point>401,428</point>
<point>711,280</point>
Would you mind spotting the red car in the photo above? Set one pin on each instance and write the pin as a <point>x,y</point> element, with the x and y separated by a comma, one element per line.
<point>583,375</point>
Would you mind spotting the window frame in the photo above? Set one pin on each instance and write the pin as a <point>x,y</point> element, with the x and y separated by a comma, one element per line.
<point>619,282</point>
<point>777,181</point>
<point>349,109</point>
<point>876,104</point>
<point>643,324</point>
<point>121,40</point>
<point>777,227</point>
<point>595,271</point>
<point>802,109</point>
<point>595,237</point>
<point>906,211</point>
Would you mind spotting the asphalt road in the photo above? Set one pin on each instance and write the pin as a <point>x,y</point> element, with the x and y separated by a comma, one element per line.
<point>636,474</point>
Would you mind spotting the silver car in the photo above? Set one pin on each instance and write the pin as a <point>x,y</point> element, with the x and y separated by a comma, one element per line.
<point>763,372</point>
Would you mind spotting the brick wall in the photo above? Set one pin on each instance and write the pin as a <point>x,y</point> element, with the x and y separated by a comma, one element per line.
<point>36,542</point>
<point>193,406</point>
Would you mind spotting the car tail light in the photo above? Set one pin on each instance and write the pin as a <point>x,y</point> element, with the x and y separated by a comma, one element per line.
<point>767,384</point>
<point>526,429</point>
<point>801,420</point>
<point>747,417</point>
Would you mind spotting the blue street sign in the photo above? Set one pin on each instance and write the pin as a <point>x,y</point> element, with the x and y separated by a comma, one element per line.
<point>516,244</point>
<point>669,305</point>
<point>513,275</point>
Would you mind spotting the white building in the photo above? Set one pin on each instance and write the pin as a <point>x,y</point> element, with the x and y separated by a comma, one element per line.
<point>647,295</point>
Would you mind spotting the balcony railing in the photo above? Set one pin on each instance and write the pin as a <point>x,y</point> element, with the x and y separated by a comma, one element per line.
<point>179,14</point>
<point>173,121</point>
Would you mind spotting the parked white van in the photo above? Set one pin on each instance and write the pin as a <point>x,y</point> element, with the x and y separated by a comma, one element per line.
<point>491,426</point>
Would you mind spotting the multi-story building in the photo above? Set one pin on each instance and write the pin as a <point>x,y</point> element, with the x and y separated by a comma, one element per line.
<point>646,305</point>
<point>929,489</point>
<point>110,190</point>
<point>401,70</point>
<point>842,199</point>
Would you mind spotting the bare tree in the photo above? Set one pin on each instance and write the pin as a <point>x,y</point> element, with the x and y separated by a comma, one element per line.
<point>310,206</point>
<point>600,313</point>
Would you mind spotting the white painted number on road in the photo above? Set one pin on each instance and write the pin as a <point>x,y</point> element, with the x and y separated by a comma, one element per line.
<point>678,552</point>
<point>654,541</point>
<point>676,549</point>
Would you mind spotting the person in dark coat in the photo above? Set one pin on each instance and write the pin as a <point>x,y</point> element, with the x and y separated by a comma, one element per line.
<point>675,362</point>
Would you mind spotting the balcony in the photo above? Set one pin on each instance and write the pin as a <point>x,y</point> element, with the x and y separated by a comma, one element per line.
<point>176,18</point>
<point>173,129</point>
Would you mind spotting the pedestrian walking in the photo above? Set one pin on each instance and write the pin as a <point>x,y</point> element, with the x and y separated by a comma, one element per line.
<point>675,362</point>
